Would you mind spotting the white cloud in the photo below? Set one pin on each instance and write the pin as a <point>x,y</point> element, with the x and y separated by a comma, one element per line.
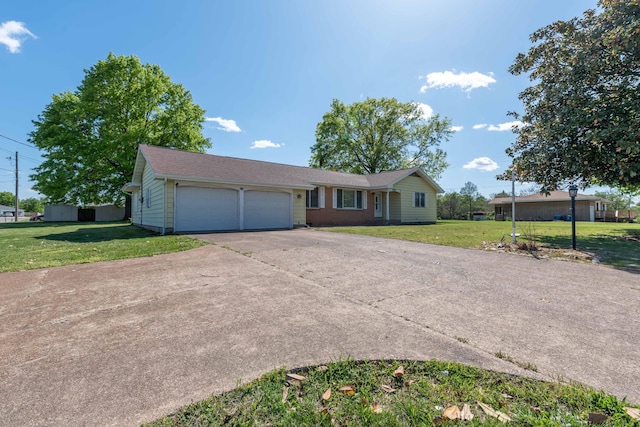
<point>482,163</point>
<point>503,127</point>
<point>263,143</point>
<point>480,126</point>
<point>427,111</point>
<point>456,128</point>
<point>12,33</point>
<point>226,125</point>
<point>466,81</point>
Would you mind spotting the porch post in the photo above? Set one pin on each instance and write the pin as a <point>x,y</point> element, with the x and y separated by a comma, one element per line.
<point>386,211</point>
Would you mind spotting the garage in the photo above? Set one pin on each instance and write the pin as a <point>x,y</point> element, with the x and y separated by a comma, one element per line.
<point>219,209</point>
<point>204,209</point>
<point>267,209</point>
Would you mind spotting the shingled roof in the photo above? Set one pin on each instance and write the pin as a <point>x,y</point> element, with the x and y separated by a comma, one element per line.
<point>187,165</point>
<point>554,196</point>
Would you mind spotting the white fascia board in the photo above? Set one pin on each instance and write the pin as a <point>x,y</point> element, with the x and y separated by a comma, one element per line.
<point>236,183</point>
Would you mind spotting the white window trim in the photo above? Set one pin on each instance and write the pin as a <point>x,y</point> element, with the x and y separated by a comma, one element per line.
<point>147,198</point>
<point>320,199</point>
<point>335,199</point>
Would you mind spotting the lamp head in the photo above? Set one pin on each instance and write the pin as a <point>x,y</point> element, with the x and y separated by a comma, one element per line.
<point>573,191</point>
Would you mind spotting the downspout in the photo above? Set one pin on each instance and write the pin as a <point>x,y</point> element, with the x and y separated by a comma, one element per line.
<point>141,202</point>
<point>164,207</point>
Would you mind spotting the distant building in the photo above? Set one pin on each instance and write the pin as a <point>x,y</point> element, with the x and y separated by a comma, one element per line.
<point>10,211</point>
<point>555,206</point>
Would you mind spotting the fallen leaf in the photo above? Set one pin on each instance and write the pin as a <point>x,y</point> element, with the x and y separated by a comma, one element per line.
<point>322,368</point>
<point>376,408</point>
<point>327,394</point>
<point>465,413</point>
<point>325,410</point>
<point>296,377</point>
<point>596,418</point>
<point>452,413</point>
<point>633,412</point>
<point>408,383</point>
<point>348,389</point>
<point>285,393</point>
<point>387,388</point>
<point>501,416</point>
<point>399,372</point>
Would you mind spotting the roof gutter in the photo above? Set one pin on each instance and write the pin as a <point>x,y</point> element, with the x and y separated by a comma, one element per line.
<point>243,183</point>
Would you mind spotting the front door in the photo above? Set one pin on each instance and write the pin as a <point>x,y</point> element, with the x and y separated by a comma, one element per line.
<point>377,205</point>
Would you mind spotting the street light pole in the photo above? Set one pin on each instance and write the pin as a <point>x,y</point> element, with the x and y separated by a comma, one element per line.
<point>573,192</point>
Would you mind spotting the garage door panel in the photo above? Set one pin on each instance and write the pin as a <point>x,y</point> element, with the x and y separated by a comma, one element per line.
<point>267,209</point>
<point>203,209</point>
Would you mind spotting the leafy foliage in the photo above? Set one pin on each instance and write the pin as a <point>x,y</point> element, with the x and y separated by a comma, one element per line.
<point>379,135</point>
<point>619,199</point>
<point>463,204</point>
<point>7,198</point>
<point>450,205</point>
<point>582,114</point>
<point>90,137</point>
<point>32,204</point>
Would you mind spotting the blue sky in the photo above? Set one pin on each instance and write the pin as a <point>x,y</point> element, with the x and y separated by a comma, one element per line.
<point>266,71</point>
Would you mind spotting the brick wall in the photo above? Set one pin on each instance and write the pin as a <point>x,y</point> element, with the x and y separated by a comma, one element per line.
<point>328,216</point>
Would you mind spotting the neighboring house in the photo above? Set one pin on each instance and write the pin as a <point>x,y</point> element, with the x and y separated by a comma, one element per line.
<point>555,206</point>
<point>104,213</point>
<point>181,191</point>
<point>10,211</point>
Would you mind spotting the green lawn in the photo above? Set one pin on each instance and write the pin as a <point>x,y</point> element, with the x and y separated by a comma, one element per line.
<point>616,244</point>
<point>29,245</point>
<point>376,393</point>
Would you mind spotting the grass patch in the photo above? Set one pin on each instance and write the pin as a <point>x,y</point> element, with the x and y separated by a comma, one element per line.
<point>30,245</point>
<point>615,244</point>
<point>381,397</point>
<point>524,365</point>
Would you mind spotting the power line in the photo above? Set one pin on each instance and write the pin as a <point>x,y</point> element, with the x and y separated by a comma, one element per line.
<point>18,142</point>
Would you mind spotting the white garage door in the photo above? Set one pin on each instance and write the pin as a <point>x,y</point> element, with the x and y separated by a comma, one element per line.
<point>203,209</point>
<point>267,209</point>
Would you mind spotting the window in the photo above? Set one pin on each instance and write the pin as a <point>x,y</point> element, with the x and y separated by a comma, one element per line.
<point>147,198</point>
<point>312,198</point>
<point>315,198</point>
<point>348,199</point>
<point>419,200</point>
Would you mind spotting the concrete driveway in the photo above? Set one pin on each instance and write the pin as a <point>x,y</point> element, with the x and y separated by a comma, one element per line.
<point>120,343</point>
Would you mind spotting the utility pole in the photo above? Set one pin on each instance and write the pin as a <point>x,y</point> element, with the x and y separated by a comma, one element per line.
<point>15,212</point>
<point>513,206</point>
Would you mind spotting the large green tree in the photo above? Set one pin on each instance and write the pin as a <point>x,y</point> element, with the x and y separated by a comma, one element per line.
<point>32,204</point>
<point>581,120</point>
<point>469,194</point>
<point>618,199</point>
<point>450,206</point>
<point>90,137</point>
<point>7,198</point>
<point>379,135</point>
